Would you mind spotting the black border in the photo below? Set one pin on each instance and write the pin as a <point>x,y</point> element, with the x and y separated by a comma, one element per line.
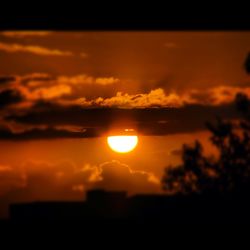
<point>132,18</point>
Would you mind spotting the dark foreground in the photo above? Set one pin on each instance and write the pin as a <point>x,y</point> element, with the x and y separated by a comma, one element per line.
<point>103,207</point>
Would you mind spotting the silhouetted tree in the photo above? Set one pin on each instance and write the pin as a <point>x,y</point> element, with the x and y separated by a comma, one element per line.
<point>247,64</point>
<point>227,173</point>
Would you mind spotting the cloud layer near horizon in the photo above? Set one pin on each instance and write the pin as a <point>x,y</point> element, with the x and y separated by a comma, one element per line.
<point>34,180</point>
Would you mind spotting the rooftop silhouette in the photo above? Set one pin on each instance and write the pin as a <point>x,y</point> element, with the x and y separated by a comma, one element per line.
<point>101,205</point>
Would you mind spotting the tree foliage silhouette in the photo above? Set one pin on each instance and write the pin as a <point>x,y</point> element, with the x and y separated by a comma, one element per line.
<point>229,172</point>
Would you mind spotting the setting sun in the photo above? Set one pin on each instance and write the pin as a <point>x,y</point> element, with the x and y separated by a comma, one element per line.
<point>122,143</point>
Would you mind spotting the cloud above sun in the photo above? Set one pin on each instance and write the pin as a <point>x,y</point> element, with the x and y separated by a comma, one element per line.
<point>74,90</point>
<point>158,98</point>
<point>34,49</point>
<point>43,106</point>
<point>22,34</point>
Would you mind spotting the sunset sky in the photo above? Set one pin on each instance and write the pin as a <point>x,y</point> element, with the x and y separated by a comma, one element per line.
<point>63,93</point>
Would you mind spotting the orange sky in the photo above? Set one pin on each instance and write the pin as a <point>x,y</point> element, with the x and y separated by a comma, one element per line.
<point>62,92</point>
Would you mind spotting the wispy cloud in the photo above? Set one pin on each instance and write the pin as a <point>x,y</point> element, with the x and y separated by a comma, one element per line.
<point>85,79</point>
<point>155,98</point>
<point>45,93</point>
<point>41,86</point>
<point>21,34</point>
<point>34,49</point>
<point>158,98</point>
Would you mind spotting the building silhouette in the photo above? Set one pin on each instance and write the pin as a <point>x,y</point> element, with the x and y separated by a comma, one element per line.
<point>102,205</point>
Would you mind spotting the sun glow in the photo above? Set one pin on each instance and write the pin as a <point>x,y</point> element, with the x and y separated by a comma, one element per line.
<point>122,143</point>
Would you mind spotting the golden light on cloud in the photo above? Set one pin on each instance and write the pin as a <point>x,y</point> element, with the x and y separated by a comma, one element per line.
<point>122,143</point>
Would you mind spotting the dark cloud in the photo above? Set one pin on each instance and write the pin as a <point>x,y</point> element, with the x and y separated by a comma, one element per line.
<point>48,133</point>
<point>9,96</point>
<point>7,79</point>
<point>118,176</point>
<point>148,121</point>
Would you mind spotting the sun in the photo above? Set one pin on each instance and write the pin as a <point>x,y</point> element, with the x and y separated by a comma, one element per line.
<point>122,143</point>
